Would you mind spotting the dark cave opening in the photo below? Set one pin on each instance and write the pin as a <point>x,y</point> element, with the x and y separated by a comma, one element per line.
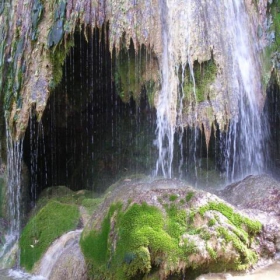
<point>92,134</point>
<point>88,137</point>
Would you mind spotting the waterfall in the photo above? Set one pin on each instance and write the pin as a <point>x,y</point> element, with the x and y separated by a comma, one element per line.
<point>166,109</point>
<point>14,162</point>
<point>14,149</point>
<point>245,139</point>
<point>192,33</point>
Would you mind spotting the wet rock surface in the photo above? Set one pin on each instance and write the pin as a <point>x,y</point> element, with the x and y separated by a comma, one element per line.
<point>70,266</point>
<point>208,231</point>
<point>259,197</point>
<point>260,192</point>
<point>64,259</point>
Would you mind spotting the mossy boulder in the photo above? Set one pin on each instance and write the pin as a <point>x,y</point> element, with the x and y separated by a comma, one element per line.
<point>258,195</point>
<point>58,211</point>
<point>49,223</point>
<point>166,228</point>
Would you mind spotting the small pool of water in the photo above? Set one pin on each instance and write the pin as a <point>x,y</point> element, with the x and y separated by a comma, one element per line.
<point>270,272</point>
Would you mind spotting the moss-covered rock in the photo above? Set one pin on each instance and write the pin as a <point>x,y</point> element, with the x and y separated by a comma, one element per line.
<point>196,85</point>
<point>58,210</point>
<point>135,71</point>
<point>168,228</point>
<point>49,223</point>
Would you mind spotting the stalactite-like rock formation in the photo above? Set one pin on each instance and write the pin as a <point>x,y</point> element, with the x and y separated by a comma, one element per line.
<point>35,36</point>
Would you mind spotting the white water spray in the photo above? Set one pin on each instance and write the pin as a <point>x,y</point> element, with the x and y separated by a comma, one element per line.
<point>165,109</point>
<point>189,34</point>
<point>14,153</point>
<point>244,151</point>
<point>14,162</point>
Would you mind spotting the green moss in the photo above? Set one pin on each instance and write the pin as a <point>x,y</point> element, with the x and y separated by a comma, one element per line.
<point>212,253</point>
<point>64,195</point>
<point>268,56</point>
<point>253,227</point>
<point>146,239</point>
<point>91,203</point>
<point>134,242</point>
<point>150,87</point>
<point>205,234</point>
<point>57,58</point>
<point>182,201</point>
<point>191,216</point>
<point>204,74</point>
<point>189,196</point>
<point>128,73</point>
<point>48,224</point>
<point>211,222</point>
<point>173,197</point>
<point>239,235</point>
<point>177,222</point>
<point>247,256</point>
<point>131,68</point>
<point>275,13</point>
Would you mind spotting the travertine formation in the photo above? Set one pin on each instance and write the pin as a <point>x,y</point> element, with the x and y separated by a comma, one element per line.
<point>35,36</point>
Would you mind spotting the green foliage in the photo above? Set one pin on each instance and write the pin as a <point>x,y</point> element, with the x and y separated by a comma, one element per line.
<point>204,74</point>
<point>49,223</point>
<point>57,58</point>
<point>239,234</point>
<point>205,234</point>
<point>91,203</point>
<point>211,222</point>
<point>275,13</point>
<point>150,87</point>
<point>236,219</point>
<point>130,74</point>
<point>177,222</point>
<point>189,196</point>
<point>62,194</point>
<point>145,238</point>
<point>247,256</point>
<point>270,54</point>
<point>211,252</point>
<point>173,197</point>
<point>14,75</point>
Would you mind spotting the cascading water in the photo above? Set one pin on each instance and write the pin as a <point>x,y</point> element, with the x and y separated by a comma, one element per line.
<point>166,109</point>
<point>14,164</point>
<point>189,34</point>
<point>245,139</point>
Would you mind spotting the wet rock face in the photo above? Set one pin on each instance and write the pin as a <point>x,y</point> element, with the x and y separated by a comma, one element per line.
<point>259,196</point>
<point>70,266</point>
<point>260,192</point>
<point>168,227</point>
